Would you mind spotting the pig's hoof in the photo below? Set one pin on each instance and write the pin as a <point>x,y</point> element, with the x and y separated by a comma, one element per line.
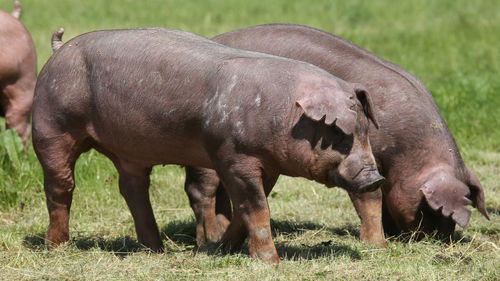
<point>157,250</point>
<point>215,236</point>
<point>269,256</point>
<point>377,242</point>
<point>52,241</point>
<point>155,246</point>
<point>210,235</point>
<point>51,245</point>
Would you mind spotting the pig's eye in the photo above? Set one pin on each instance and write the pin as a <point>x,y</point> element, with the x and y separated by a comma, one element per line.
<point>344,143</point>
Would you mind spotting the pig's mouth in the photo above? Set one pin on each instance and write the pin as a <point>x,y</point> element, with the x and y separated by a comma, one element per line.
<point>370,181</point>
<point>372,186</point>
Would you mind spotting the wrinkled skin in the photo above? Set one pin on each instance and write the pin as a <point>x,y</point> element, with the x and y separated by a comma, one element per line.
<point>17,74</point>
<point>428,185</point>
<point>171,97</point>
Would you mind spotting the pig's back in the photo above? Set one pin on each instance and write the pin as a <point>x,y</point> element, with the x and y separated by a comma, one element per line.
<point>408,115</point>
<point>152,92</point>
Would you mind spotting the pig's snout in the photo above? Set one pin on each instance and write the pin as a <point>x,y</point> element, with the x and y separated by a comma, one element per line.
<point>357,173</point>
<point>359,169</point>
<point>369,180</point>
<point>364,180</point>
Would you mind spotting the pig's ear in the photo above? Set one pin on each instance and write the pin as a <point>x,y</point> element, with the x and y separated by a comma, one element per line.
<point>366,102</point>
<point>477,194</point>
<point>444,193</point>
<point>334,106</point>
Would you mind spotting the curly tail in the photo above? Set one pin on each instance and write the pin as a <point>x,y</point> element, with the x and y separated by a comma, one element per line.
<point>17,10</point>
<point>57,39</point>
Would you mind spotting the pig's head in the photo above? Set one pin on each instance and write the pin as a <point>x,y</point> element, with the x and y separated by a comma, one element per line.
<point>446,199</point>
<point>340,116</point>
<point>433,203</point>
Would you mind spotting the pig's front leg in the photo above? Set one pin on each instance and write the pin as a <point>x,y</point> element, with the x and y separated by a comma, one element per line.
<point>244,182</point>
<point>369,208</point>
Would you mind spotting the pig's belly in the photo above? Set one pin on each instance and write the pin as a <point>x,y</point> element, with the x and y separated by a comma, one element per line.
<point>153,148</point>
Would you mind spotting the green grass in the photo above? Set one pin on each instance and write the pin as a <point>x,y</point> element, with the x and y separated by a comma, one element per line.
<point>453,46</point>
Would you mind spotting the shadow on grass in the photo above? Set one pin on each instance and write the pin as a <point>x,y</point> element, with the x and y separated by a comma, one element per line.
<point>35,242</point>
<point>177,232</point>
<point>417,237</point>
<point>287,227</point>
<point>180,232</point>
<point>314,251</point>
<point>181,236</point>
<point>297,250</point>
<point>121,246</point>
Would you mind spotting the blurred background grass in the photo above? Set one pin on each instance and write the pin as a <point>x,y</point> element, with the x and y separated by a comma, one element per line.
<point>453,46</point>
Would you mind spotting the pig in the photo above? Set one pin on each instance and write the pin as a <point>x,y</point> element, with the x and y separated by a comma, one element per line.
<point>144,97</point>
<point>428,185</point>
<point>18,67</point>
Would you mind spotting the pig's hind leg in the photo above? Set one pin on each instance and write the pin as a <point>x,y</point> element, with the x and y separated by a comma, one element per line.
<point>58,152</point>
<point>16,100</point>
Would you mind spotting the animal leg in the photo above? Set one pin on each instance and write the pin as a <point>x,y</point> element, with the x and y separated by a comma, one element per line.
<point>369,208</point>
<point>134,187</point>
<point>202,186</point>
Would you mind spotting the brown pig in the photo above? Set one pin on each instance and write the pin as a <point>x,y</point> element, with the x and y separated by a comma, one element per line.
<point>428,185</point>
<point>17,73</point>
<point>144,97</point>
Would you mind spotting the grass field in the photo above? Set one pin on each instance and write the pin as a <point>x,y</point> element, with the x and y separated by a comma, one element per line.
<point>452,45</point>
